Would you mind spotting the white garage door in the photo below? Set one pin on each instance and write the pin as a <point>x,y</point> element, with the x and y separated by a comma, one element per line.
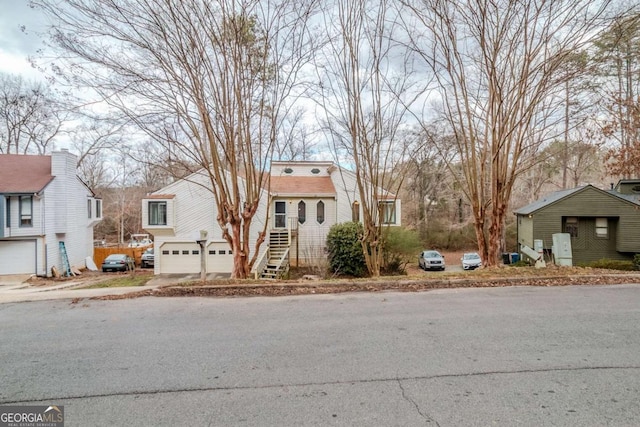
<point>219,258</point>
<point>179,258</point>
<point>17,257</point>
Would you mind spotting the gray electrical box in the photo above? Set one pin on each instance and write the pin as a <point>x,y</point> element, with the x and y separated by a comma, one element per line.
<point>562,253</point>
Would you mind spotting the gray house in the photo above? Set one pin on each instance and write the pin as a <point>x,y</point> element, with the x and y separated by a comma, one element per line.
<point>601,223</point>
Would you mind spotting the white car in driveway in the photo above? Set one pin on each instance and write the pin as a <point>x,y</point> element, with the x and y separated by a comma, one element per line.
<point>471,261</point>
<point>431,260</point>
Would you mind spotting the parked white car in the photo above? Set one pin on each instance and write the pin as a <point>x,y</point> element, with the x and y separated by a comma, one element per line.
<point>471,261</point>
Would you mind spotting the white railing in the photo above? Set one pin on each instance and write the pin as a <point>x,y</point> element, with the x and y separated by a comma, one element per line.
<point>260,263</point>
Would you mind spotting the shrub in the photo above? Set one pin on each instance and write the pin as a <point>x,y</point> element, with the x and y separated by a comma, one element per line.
<point>612,264</point>
<point>345,249</point>
<point>636,261</point>
<point>400,247</point>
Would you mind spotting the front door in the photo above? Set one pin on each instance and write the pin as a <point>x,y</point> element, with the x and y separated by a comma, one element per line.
<point>280,215</point>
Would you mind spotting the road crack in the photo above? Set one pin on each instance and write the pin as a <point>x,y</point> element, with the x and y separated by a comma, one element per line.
<point>427,417</point>
<point>315,384</point>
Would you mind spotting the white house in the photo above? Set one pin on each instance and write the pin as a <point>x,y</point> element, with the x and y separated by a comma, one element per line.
<point>304,200</point>
<point>45,210</point>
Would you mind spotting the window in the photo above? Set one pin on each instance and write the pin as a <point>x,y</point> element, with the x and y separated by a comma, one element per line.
<point>288,171</point>
<point>571,226</point>
<point>320,212</point>
<point>355,212</point>
<point>89,208</point>
<point>98,208</point>
<point>26,211</point>
<point>602,229</point>
<point>315,171</point>
<point>195,252</point>
<point>157,213</point>
<point>302,212</point>
<point>388,212</point>
<point>8,211</point>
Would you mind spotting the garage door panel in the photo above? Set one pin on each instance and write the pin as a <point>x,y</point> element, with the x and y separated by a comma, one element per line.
<point>219,258</point>
<point>17,257</point>
<point>178,258</point>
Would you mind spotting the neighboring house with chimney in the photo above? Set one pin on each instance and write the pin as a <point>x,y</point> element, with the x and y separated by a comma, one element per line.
<point>45,211</point>
<point>304,200</point>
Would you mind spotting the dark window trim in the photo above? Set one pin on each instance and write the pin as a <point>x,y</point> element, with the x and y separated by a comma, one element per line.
<point>320,206</point>
<point>302,212</point>
<point>8,206</point>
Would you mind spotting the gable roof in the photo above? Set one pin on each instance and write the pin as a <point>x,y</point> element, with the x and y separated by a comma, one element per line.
<point>302,186</point>
<point>556,196</point>
<point>24,173</point>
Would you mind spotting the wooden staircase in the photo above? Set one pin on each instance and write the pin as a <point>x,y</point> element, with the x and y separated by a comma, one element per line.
<point>277,255</point>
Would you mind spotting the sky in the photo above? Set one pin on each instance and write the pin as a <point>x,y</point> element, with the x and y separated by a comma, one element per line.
<point>16,45</point>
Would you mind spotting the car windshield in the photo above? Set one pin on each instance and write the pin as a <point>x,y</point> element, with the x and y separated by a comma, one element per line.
<point>471,256</point>
<point>431,254</point>
<point>149,251</point>
<point>115,257</point>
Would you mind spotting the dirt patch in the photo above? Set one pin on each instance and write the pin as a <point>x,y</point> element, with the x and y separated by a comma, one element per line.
<point>87,278</point>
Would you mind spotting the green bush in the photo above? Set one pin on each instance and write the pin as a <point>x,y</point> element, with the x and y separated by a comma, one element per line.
<point>345,249</point>
<point>636,261</point>
<point>612,264</point>
<point>400,247</point>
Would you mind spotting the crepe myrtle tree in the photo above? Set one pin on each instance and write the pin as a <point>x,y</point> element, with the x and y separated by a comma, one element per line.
<point>366,83</point>
<point>208,81</point>
<point>500,69</point>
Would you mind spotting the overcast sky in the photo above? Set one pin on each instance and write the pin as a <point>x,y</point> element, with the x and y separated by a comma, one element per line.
<point>16,45</point>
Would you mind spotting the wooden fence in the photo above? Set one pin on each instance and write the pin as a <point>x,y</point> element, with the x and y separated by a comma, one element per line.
<point>99,254</point>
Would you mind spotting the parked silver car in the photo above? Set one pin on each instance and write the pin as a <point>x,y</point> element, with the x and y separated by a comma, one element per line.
<point>146,260</point>
<point>471,261</point>
<point>118,262</point>
<point>431,260</point>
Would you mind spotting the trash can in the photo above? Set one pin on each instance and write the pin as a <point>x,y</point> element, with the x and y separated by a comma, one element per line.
<point>506,258</point>
<point>515,257</point>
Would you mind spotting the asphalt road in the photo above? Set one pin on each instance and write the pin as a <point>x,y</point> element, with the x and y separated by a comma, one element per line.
<point>566,356</point>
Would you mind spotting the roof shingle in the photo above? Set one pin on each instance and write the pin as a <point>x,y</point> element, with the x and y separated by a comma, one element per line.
<point>24,173</point>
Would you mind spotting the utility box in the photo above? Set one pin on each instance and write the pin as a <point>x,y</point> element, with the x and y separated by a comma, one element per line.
<point>538,246</point>
<point>562,253</point>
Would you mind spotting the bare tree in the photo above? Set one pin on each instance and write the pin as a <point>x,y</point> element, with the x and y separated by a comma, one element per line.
<point>618,74</point>
<point>209,81</point>
<point>30,116</point>
<point>498,66</point>
<point>365,82</point>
